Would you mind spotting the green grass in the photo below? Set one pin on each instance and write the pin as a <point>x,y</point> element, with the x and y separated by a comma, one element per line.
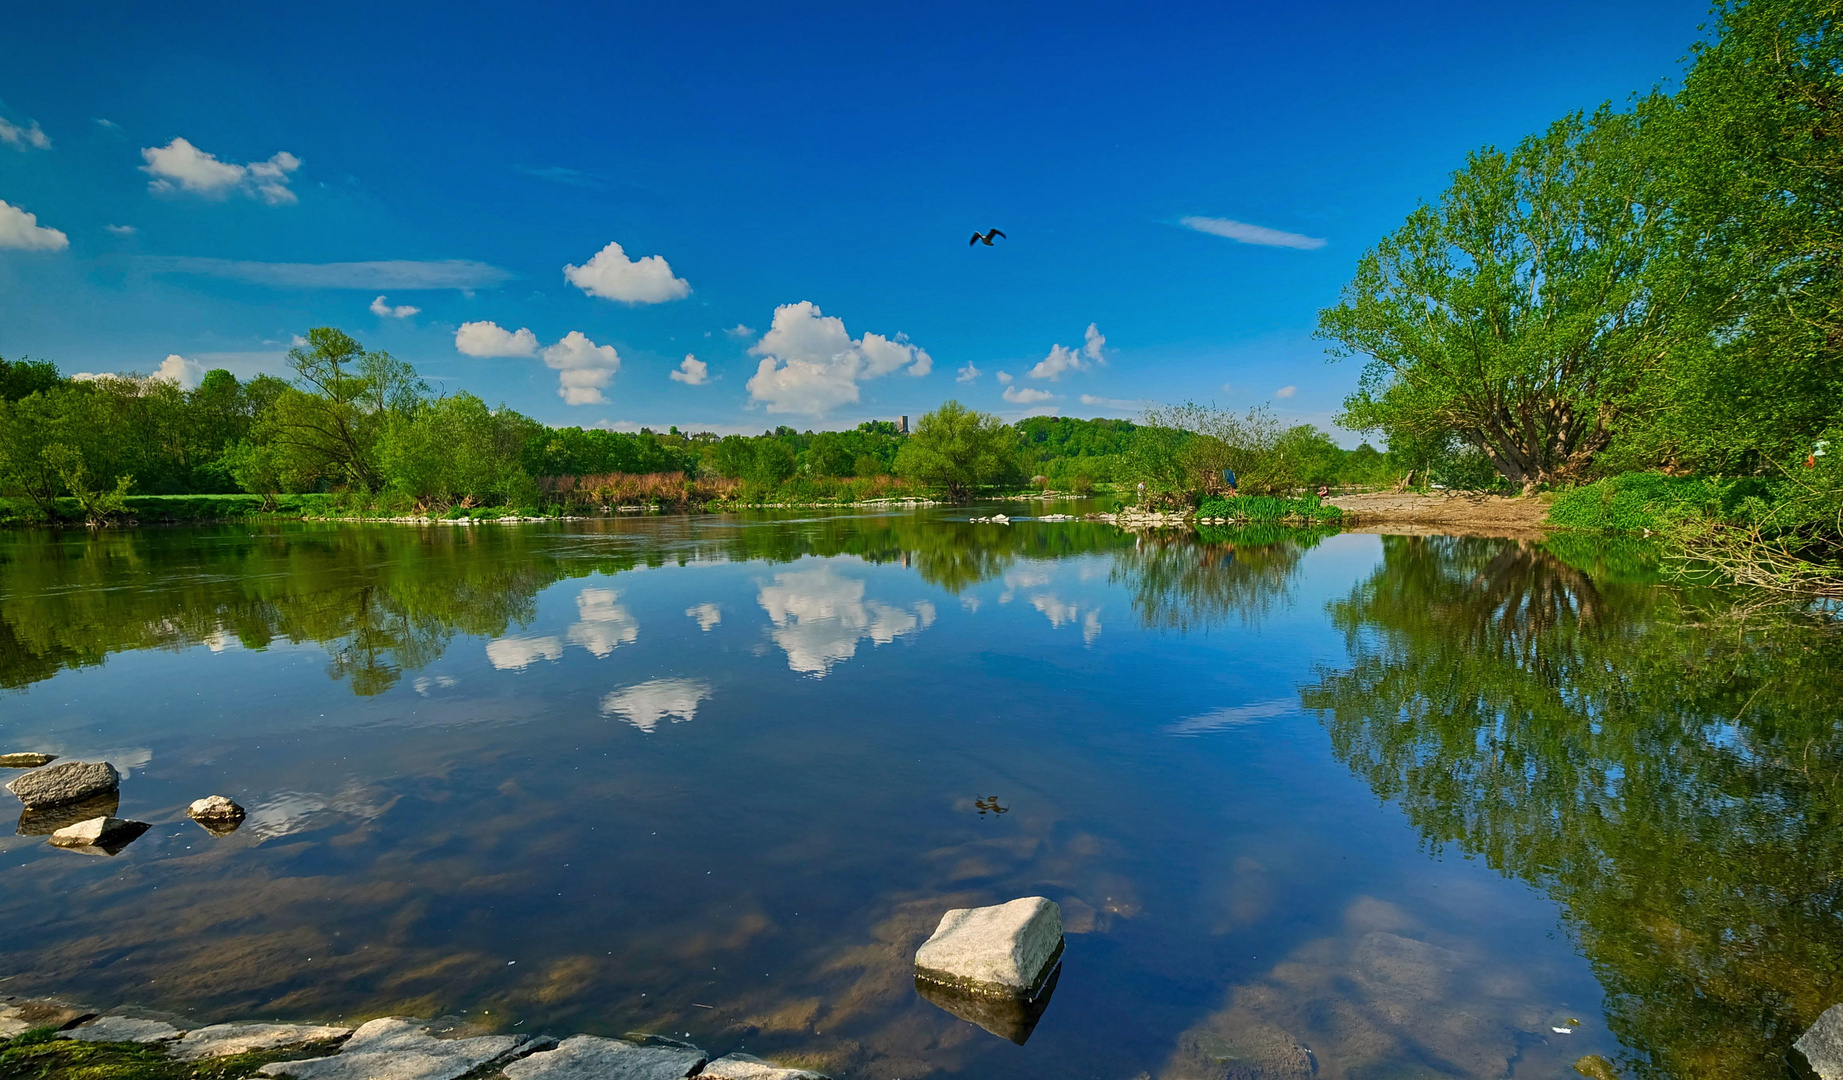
<point>37,1055</point>
<point>1652,502</point>
<point>1269,508</point>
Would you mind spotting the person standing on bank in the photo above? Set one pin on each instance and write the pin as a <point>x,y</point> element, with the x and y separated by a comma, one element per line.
<point>1228,480</point>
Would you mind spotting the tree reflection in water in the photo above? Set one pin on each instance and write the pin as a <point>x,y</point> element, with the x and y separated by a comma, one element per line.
<point>1666,764</point>
<point>1183,583</point>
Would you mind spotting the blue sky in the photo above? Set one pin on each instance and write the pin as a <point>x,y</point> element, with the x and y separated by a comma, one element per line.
<point>791,189</point>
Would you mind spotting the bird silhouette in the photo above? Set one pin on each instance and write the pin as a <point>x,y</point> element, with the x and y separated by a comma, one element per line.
<point>985,237</point>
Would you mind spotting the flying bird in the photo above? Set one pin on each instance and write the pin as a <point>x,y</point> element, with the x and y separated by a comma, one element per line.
<point>985,237</point>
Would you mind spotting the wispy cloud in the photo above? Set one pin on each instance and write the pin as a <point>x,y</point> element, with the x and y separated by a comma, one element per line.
<point>557,174</point>
<point>107,125</point>
<point>29,137</point>
<point>1242,232</point>
<point>385,275</point>
<point>968,373</point>
<point>120,230</point>
<point>1233,716</point>
<point>1286,391</point>
<point>1110,402</point>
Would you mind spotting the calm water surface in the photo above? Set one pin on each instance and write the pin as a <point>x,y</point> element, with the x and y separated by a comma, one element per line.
<point>1411,803</point>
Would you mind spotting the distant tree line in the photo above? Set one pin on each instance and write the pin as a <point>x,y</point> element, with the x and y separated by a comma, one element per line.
<point>361,422</point>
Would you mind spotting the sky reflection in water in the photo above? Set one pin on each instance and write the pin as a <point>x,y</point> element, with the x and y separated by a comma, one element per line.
<point>1382,798</point>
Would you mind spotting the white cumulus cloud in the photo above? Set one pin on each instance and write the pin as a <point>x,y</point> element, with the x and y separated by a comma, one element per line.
<point>181,166</point>
<point>489,339</point>
<point>603,625</point>
<point>820,616</point>
<point>741,330</point>
<point>30,137</point>
<point>1026,395</point>
<point>692,371</point>
<point>707,615</point>
<point>583,368</point>
<point>611,275</point>
<point>1004,378</point>
<point>21,231</point>
<point>177,369</point>
<point>968,373</point>
<point>810,364</point>
<point>645,705</point>
<point>1060,359</point>
<point>401,311</point>
<point>1286,391</point>
<point>518,653</point>
<point>1244,233</point>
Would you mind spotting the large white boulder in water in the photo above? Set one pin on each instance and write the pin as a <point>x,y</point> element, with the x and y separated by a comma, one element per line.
<point>64,783</point>
<point>590,1057</point>
<point>1822,1044</point>
<point>1007,950</point>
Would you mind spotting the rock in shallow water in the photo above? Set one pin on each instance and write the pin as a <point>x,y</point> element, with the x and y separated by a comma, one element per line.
<point>49,819</point>
<point>589,1057</point>
<point>25,761</point>
<point>1822,1045</point>
<point>1013,1018</point>
<point>395,1048</point>
<point>221,1040</point>
<point>216,814</point>
<point>1007,950</point>
<point>99,835</point>
<point>122,1029</point>
<point>65,783</point>
<point>744,1067</point>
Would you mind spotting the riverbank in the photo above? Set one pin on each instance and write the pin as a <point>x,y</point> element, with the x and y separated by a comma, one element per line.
<point>55,1040</point>
<point>1452,513</point>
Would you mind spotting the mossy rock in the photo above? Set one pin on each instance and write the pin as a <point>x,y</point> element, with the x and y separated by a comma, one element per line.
<point>40,1055</point>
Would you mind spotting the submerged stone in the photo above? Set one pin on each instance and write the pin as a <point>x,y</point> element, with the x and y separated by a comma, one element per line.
<point>122,1029</point>
<point>590,1057</point>
<point>99,835</point>
<point>396,1048</point>
<point>1822,1045</point>
<point>744,1067</point>
<point>216,814</point>
<point>47,820</point>
<point>222,1040</point>
<point>25,761</point>
<point>1008,1017</point>
<point>1007,950</point>
<point>65,783</point>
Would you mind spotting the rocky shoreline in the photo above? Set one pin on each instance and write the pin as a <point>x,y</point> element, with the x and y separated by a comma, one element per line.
<point>390,1048</point>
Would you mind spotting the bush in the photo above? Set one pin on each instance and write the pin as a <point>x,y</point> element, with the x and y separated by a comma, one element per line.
<point>1268,508</point>
<point>1651,502</point>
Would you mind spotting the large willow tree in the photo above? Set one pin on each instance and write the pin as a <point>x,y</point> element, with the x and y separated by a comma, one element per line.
<point>1515,313</point>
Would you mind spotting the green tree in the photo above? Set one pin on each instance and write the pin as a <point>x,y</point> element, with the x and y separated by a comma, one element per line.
<point>1516,314</point>
<point>327,427</point>
<point>456,449</point>
<point>774,462</point>
<point>22,377</point>
<point>959,451</point>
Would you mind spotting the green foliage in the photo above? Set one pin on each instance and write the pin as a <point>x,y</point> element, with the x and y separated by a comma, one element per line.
<point>23,378</point>
<point>959,451</point>
<point>455,448</point>
<point>774,462</point>
<point>1269,508</point>
<point>1514,313</point>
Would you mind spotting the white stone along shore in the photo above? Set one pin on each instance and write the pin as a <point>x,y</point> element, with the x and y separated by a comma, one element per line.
<point>401,1048</point>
